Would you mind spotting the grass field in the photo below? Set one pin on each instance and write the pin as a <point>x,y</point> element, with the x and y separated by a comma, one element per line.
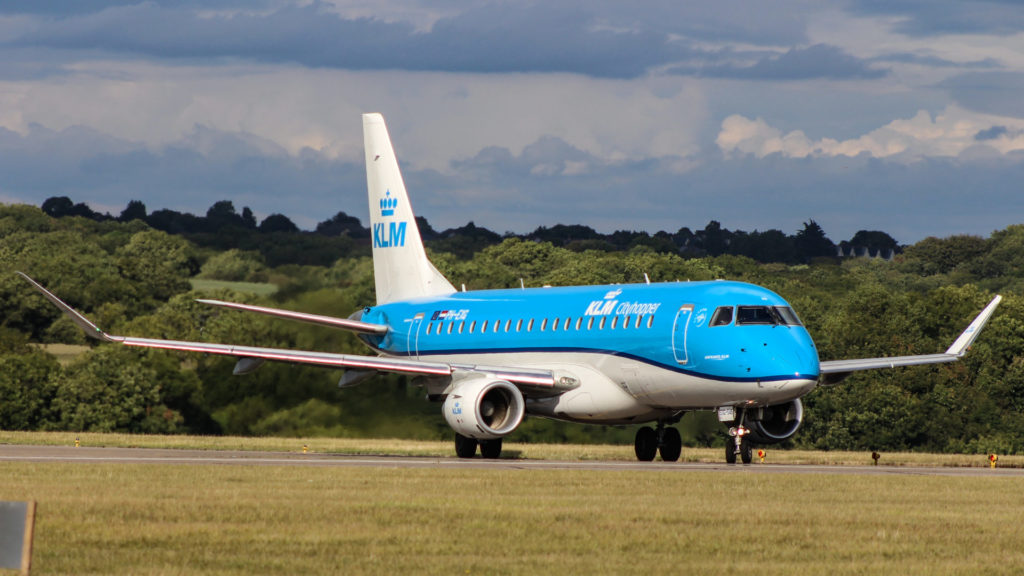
<point>211,519</point>
<point>204,519</point>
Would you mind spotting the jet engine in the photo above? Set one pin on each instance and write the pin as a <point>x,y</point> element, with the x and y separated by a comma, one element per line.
<point>776,423</point>
<point>484,409</point>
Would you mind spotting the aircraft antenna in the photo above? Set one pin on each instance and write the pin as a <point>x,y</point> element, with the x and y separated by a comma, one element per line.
<point>522,284</point>
<point>647,278</point>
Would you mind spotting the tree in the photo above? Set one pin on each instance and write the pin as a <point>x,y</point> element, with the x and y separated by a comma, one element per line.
<point>110,390</point>
<point>811,243</point>
<point>278,223</point>
<point>135,210</point>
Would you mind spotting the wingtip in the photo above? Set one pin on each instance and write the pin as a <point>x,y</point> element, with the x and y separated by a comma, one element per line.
<point>81,321</point>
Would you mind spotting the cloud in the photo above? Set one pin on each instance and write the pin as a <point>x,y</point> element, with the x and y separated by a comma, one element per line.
<point>817,61</point>
<point>493,39</point>
<point>946,135</point>
<point>944,17</point>
<point>988,92</point>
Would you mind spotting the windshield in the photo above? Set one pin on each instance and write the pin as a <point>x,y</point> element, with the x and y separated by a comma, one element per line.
<point>767,316</point>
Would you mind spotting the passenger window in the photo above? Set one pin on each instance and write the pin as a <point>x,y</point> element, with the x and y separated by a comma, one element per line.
<point>483,327</point>
<point>590,323</point>
<point>543,324</point>
<point>554,325</point>
<point>638,319</point>
<point>722,316</point>
<point>439,326</point>
<point>567,322</point>
<point>615,322</point>
<point>601,325</point>
<point>462,325</point>
<point>579,323</point>
<point>650,320</point>
<point>472,326</point>
<point>625,322</point>
<point>519,325</point>
<point>450,326</point>
<point>529,325</point>
<point>430,327</point>
<point>508,324</point>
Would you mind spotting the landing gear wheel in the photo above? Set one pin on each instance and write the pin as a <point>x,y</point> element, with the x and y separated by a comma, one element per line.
<point>746,452</point>
<point>465,447</point>
<point>490,449</point>
<point>646,444</point>
<point>671,445</point>
<point>730,451</point>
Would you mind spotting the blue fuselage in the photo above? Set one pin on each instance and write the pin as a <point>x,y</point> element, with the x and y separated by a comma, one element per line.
<point>720,331</point>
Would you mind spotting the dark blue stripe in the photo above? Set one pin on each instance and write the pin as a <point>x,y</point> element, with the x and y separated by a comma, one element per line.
<point>648,361</point>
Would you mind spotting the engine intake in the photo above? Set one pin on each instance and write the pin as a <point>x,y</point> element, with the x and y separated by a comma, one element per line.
<point>484,409</point>
<point>773,424</point>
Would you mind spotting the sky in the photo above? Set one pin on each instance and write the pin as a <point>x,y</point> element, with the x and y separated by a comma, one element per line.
<point>904,116</point>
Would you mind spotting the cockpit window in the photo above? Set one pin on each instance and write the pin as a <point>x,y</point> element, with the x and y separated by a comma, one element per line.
<point>767,316</point>
<point>722,317</point>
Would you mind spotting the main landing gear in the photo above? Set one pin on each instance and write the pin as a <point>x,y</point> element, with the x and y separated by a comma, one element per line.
<point>465,447</point>
<point>665,440</point>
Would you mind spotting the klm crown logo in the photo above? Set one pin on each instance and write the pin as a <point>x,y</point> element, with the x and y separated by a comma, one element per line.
<point>388,204</point>
<point>388,234</point>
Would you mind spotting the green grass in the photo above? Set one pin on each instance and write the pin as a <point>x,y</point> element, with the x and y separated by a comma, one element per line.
<point>207,285</point>
<point>65,353</point>
<point>210,519</point>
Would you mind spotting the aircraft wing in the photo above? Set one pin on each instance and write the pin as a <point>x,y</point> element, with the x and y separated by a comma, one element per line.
<point>250,356</point>
<point>834,371</point>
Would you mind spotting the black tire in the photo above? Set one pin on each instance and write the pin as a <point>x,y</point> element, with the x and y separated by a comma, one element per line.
<point>730,450</point>
<point>464,447</point>
<point>671,445</point>
<point>646,444</point>
<point>746,452</point>
<point>490,449</point>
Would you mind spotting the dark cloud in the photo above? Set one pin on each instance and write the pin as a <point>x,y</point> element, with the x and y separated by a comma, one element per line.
<point>940,17</point>
<point>991,133</point>
<point>817,61</point>
<point>500,38</point>
<point>988,92</point>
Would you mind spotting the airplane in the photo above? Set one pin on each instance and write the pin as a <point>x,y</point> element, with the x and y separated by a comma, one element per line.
<point>617,354</point>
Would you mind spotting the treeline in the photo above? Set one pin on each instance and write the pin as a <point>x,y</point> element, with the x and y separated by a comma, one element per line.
<point>133,278</point>
<point>280,241</point>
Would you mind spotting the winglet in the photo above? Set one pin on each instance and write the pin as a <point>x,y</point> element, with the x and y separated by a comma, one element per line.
<point>82,322</point>
<point>963,343</point>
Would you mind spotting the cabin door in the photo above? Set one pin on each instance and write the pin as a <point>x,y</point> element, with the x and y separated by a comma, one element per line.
<point>680,331</point>
<point>415,326</point>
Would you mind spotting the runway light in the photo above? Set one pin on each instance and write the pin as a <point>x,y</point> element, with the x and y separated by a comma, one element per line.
<point>77,442</point>
<point>761,454</point>
<point>305,448</point>
<point>992,459</point>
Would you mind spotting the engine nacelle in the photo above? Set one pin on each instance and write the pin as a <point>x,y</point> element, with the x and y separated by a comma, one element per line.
<point>484,409</point>
<point>773,424</point>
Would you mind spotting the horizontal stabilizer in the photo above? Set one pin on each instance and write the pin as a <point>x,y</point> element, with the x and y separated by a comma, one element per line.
<point>343,323</point>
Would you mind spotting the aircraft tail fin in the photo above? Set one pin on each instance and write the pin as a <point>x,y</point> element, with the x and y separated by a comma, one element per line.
<point>400,266</point>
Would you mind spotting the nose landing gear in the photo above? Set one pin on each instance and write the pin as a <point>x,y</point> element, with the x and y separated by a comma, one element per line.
<point>739,445</point>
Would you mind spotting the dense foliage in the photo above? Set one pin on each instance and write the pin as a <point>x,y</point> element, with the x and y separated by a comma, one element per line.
<point>131,277</point>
